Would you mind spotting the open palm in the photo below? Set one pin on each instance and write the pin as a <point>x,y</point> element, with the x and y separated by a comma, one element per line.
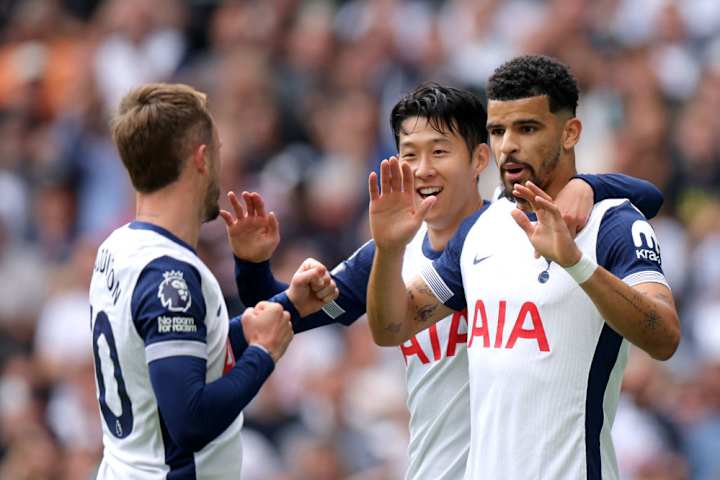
<point>394,217</point>
<point>253,234</point>
<point>550,235</point>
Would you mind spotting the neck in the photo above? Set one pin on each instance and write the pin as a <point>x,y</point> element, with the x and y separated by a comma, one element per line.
<point>561,177</point>
<point>173,209</point>
<point>439,236</point>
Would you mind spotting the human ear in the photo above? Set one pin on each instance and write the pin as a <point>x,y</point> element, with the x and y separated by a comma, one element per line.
<point>571,133</point>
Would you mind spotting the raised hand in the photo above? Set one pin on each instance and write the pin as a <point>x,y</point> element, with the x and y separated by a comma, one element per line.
<point>311,287</point>
<point>268,325</point>
<point>394,217</point>
<point>253,234</point>
<point>550,235</point>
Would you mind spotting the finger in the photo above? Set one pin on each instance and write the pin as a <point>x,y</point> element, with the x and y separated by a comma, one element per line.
<point>385,177</point>
<point>309,263</point>
<point>304,278</point>
<point>326,292</point>
<point>237,206</point>
<point>396,177</point>
<point>273,225</point>
<point>523,222</point>
<point>335,294</point>
<point>258,204</point>
<point>524,193</point>
<point>227,216</point>
<point>425,206</point>
<point>249,205</point>
<point>408,181</point>
<point>549,206</point>
<point>537,190</point>
<point>373,187</point>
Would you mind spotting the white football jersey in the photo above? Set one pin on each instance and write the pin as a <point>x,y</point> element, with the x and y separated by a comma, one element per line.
<point>437,385</point>
<point>545,369</point>
<point>436,358</point>
<point>136,442</point>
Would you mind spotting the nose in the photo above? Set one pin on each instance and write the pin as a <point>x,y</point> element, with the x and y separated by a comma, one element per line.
<point>424,167</point>
<point>508,145</point>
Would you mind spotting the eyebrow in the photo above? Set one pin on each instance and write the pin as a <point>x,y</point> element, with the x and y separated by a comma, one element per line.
<point>519,122</point>
<point>410,143</point>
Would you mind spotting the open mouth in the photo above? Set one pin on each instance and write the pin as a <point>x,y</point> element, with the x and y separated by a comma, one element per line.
<point>514,172</point>
<point>425,192</point>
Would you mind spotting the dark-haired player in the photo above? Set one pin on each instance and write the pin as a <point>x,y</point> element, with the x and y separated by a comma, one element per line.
<point>440,134</point>
<point>547,326</point>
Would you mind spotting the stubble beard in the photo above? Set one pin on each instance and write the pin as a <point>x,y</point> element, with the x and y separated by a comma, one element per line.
<point>211,208</point>
<point>542,180</point>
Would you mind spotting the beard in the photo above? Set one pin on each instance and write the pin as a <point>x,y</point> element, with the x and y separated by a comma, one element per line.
<point>211,207</point>
<point>540,178</point>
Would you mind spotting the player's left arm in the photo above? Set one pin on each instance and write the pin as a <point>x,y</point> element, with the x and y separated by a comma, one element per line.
<point>628,286</point>
<point>578,197</point>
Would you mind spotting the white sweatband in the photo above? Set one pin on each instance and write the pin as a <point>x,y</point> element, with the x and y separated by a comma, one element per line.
<point>583,269</point>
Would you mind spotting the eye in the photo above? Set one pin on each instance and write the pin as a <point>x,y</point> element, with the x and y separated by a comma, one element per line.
<point>439,151</point>
<point>408,156</point>
<point>496,131</point>
<point>528,129</point>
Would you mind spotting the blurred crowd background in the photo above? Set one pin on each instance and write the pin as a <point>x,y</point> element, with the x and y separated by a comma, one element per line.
<point>301,91</point>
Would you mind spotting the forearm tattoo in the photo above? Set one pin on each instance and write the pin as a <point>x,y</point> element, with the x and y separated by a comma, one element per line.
<point>424,312</point>
<point>651,318</point>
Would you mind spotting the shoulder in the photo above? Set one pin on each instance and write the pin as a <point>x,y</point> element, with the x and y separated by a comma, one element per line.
<point>168,283</point>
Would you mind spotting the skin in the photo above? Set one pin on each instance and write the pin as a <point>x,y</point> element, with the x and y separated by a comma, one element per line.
<point>523,133</point>
<point>183,206</point>
<point>432,159</point>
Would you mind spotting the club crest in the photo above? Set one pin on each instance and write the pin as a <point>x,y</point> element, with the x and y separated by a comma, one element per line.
<point>173,292</point>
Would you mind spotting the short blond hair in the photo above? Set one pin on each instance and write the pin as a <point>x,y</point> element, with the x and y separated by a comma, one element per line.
<point>155,129</point>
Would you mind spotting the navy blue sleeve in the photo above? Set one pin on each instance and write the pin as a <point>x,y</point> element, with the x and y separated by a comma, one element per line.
<point>195,413</point>
<point>643,194</point>
<point>255,282</point>
<point>351,277</point>
<point>168,310</point>
<point>238,343</point>
<point>444,276</point>
<point>627,246</point>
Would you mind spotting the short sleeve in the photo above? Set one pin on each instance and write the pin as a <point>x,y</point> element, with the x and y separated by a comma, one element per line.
<point>168,310</point>
<point>628,248</point>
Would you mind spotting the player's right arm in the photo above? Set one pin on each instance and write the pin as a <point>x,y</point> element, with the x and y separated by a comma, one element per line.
<point>196,412</point>
<point>396,313</point>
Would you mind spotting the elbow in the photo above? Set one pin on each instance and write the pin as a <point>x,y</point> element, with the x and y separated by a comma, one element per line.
<point>386,342</point>
<point>670,344</point>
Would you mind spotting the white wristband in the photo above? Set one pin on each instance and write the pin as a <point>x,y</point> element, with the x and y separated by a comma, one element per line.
<point>583,269</point>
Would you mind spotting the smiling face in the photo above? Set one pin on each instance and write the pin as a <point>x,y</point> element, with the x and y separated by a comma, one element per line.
<point>444,167</point>
<point>532,143</point>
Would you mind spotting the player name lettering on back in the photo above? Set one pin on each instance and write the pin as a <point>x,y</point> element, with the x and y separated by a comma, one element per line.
<point>176,324</point>
<point>528,313</point>
<point>455,337</point>
<point>104,265</point>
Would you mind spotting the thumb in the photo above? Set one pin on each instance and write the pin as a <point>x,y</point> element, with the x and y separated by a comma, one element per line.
<point>425,206</point>
<point>523,222</point>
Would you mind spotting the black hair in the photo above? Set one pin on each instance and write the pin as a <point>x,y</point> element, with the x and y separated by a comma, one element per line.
<point>447,109</point>
<point>533,75</point>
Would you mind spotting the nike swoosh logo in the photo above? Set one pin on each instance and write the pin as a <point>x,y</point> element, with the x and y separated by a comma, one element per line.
<point>477,260</point>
